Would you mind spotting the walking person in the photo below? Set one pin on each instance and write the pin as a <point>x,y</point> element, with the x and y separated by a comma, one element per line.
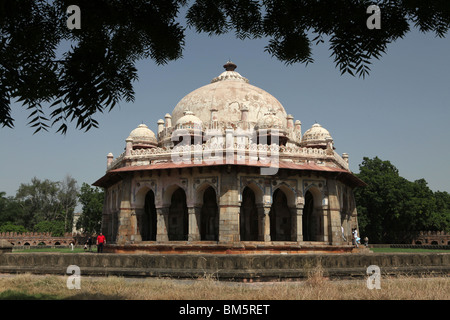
<point>355,236</point>
<point>101,241</point>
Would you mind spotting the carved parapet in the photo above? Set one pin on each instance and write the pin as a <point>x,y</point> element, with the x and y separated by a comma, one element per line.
<point>116,162</point>
<point>220,150</point>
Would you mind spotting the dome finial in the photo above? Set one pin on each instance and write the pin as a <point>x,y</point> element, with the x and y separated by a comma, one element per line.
<point>230,66</point>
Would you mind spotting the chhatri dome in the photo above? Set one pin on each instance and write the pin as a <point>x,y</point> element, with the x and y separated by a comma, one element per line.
<point>316,136</point>
<point>226,96</point>
<point>188,121</point>
<point>142,137</point>
<point>226,168</point>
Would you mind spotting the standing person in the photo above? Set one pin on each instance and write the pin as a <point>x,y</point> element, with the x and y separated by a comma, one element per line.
<point>89,244</point>
<point>101,241</point>
<point>353,236</point>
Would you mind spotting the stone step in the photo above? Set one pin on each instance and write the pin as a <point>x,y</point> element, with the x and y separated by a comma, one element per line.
<point>362,249</point>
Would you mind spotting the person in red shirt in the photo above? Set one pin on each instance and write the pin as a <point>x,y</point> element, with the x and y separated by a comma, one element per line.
<point>101,241</point>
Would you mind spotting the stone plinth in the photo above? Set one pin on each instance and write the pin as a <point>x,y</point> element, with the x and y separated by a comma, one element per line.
<point>237,267</point>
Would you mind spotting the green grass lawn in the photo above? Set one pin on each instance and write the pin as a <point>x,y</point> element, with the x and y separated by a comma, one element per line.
<point>62,250</point>
<point>408,250</point>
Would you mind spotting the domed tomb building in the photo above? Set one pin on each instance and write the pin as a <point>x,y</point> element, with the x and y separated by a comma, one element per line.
<point>229,167</point>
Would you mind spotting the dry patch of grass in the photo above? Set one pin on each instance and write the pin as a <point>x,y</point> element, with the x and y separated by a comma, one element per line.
<point>314,287</point>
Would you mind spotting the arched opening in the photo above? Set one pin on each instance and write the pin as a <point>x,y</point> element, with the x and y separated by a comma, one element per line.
<point>312,222</point>
<point>209,220</point>
<point>148,223</point>
<point>280,217</point>
<point>248,217</point>
<point>178,216</point>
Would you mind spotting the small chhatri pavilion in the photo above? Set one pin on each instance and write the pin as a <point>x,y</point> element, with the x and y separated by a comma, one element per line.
<point>229,170</point>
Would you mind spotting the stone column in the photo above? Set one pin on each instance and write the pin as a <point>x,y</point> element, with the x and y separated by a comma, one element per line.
<point>129,147</point>
<point>160,126</point>
<point>229,207</point>
<point>297,223</point>
<point>326,223</point>
<point>109,159</point>
<point>194,223</point>
<point>229,223</point>
<point>334,214</point>
<point>125,225</point>
<point>162,224</point>
<point>263,223</point>
<point>168,121</point>
<point>135,219</point>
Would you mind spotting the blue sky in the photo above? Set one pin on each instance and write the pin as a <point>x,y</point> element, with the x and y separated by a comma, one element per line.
<point>400,112</point>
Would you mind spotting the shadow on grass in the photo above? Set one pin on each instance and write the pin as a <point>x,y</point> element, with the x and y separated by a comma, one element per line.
<point>20,295</point>
<point>94,296</point>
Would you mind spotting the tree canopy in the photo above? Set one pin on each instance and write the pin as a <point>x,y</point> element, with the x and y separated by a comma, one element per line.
<point>392,209</point>
<point>40,206</point>
<point>91,199</point>
<point>99,67</point>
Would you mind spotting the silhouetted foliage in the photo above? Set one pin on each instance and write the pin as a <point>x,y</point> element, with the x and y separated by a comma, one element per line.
<point>97,66</point>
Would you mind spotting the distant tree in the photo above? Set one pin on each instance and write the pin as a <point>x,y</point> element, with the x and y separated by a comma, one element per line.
<point>11,227</point>
<point>98,68</point>
<point>56,228</point>
<point>91,199</point>
<point>45,200</point>
<point>392,209</point>
<point>10,210</point>
<point>39,201</point>
<point>440,219</point>
<point>68,199</point>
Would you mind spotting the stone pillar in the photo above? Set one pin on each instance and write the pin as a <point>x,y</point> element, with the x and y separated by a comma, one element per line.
<point>345,157</point>
<point>229,223</point>
<point>162,224</point>
<point>213,114</point>
<point>109,159</point>
<point>290,122</point>
<point>129,147</point>
<point>168,119</point>
<point>135,219</point>
<point>266,223</point>
<point>333,213</point>
<point>326,224</point>
<point>297,223</point>
<point>126,226</point>
<point>263,223</point>
<point>298,127</point>
<point>244,113</point>
<point>160,125</point>
<point>229,207</point>
<point>194,223</point>
<point>229,145</point>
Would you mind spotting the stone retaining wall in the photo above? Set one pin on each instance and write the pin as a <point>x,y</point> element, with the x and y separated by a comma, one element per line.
<point>226,266</point>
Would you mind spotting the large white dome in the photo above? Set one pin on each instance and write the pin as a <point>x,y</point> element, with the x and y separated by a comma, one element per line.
<point>228,93</point>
